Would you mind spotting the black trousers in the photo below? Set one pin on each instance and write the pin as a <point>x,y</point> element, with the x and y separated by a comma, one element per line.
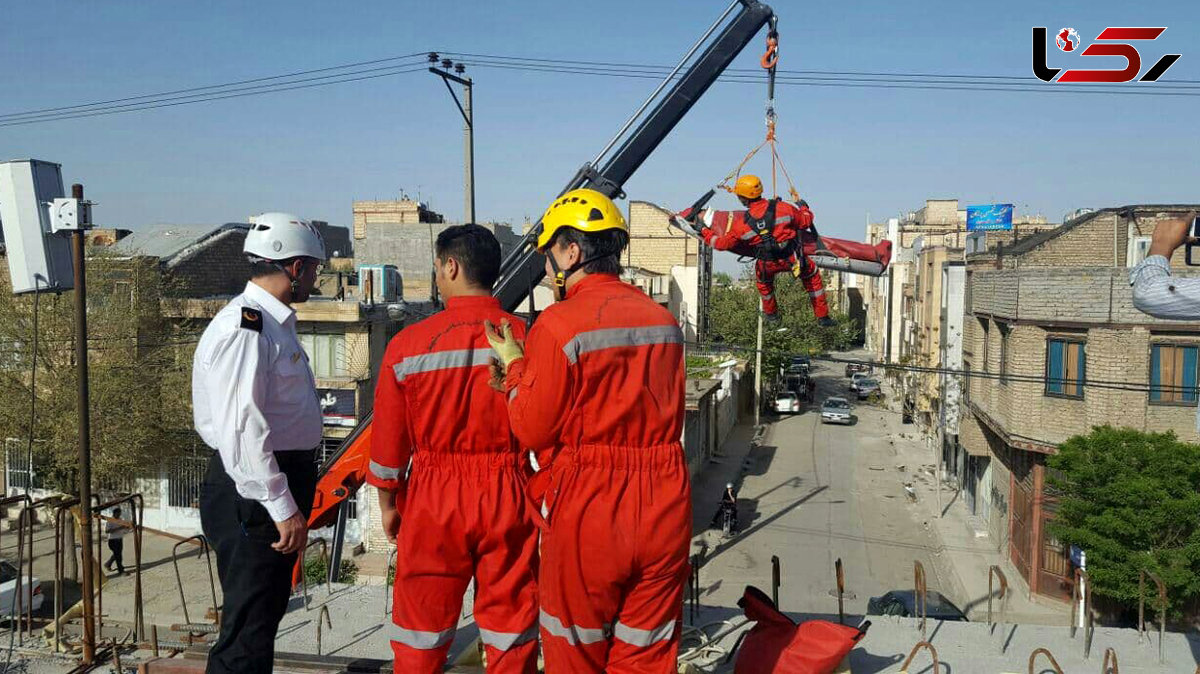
<point>117,547</point>
<point>255,579</point>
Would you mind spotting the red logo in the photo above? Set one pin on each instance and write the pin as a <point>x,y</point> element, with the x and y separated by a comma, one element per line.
<point>1117,44</point>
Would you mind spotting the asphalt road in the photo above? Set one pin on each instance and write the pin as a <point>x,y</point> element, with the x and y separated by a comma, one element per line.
<point>814,493</point>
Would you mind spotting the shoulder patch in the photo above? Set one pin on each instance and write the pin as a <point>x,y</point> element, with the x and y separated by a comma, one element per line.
<point>251,319</point>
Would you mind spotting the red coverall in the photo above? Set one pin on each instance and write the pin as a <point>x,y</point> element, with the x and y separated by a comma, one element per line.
<point>729,230</point>
<point>599,395</point>
<point>464,509</point>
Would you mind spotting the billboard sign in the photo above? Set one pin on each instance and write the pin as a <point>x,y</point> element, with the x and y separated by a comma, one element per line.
<point>989,217</point>
<point>337,406</point>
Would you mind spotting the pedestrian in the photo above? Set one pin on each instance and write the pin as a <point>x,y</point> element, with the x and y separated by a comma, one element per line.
<point>598,392</point>
<point>460,512</point>
<point>255,404</point>
<point>115,530</point>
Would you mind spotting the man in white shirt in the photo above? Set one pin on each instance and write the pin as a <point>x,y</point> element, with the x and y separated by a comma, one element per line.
<point>1155,291</point>
<point>255,403</point>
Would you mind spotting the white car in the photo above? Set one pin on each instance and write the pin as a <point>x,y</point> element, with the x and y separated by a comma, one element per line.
<point>857,377</point>
<point>836,411</point>
<point>787,403</point>
<point>8,590</point>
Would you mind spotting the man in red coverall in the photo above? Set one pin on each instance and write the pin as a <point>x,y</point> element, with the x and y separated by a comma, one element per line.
<point>598,393</point>
<point>465,512</point>
<point>768,230</point>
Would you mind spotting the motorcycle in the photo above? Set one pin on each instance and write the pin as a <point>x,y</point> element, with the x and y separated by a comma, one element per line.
<point>728,519</point>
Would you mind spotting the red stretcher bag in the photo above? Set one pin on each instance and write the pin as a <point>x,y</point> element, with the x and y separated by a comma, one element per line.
<point>776,645</point>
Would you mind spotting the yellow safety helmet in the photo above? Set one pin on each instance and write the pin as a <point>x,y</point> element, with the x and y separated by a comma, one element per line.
<point>582,209</point>
<point>748,186</point>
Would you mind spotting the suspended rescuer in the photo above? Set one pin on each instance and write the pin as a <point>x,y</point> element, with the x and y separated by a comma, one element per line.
<point>255,404</point>
<point>768,230</point>
<point>598,393</point>
<point>462,511</point>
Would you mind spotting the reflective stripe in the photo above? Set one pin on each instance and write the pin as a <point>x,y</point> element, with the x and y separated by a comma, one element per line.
<point>706,216</point>
<point>636,637</point>
<point>383,472</point>
<point>817,293</point>
<point>505,640</point>
<point>749,235</point>
<point>424,641</point>
<point>769,296</point>
<point>572,634</point>
<point>783,220</point>
<point>609,338</point>
<point>512,395</point>
<point>442,360</point>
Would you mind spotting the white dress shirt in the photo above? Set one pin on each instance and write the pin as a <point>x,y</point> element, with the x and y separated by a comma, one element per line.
<point>253,394</point>
<point>1157,293</point>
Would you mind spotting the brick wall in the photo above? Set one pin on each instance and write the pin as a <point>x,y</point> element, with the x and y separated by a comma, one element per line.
<point>408,246</point>
<point>654,244</point>
<point>404,212</point>
<point>216,268</point>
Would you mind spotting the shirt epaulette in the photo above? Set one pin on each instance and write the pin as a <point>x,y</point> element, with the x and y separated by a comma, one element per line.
<point>252,319</point>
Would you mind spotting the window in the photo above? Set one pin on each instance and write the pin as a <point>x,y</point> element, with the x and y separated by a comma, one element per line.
<point>983,325</point>
<point>1066,362</point>
<point>1173,374</point>
<point>326,354</point>
<point>1004,330</point>
<point>1139,246</point>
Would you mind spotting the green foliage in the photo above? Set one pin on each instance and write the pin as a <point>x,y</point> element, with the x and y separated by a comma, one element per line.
<point>138,376</point>
<point>316,566</point>
<point>733,312</point>
<point>1131,500</point>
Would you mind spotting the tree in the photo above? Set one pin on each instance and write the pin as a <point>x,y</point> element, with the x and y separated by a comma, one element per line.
<point>137,376</point>
<point>1131,501</point>
<point>733,319</point>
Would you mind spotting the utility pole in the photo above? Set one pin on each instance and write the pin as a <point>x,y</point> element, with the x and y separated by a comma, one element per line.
<point>85,448</point>
<point>464,107</point>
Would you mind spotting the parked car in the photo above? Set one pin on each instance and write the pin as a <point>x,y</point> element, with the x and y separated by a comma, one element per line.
<point>787,403</point>
<point>902,603</point>
<point>795,368</point>
<point>851,368</point>
<point>856,378</point>
<point>836,411</point>
<point>8,590</point>
<point>867,388</point>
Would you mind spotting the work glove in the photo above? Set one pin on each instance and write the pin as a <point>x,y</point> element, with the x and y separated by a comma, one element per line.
<point>506,346</point>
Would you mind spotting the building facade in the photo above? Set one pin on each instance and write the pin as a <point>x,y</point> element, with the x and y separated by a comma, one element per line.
<point>1045,317</point>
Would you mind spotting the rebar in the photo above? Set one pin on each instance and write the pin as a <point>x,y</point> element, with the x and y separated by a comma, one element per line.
<point>920,594</point>
<point>1049,656</point>
<point>1105,668</point>
<point>1086,595</point>
<point>994,573</point>
<point>60,564</point>
<point>206,551</point>
<point>389,573</point>
<point>775,582</point>
<point>137,506</point>
<point>841,590</point>
<point>913,653</point>
<point>323,614</point>
<point>303,570</point>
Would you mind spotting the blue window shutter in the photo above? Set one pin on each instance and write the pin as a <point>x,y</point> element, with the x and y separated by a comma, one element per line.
<point>1081,369</point>
<point>1155,373</point>
<point>1189,374</point>
<point>1054,367</point>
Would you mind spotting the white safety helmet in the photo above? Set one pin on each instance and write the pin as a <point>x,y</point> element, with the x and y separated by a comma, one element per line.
<point>281,236</point>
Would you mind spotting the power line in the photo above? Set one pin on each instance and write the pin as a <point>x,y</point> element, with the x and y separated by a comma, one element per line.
<point>214,86</point>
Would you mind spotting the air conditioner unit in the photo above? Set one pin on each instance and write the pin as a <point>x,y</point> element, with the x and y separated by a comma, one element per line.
<point>37,258</point>
<point>379,283</point>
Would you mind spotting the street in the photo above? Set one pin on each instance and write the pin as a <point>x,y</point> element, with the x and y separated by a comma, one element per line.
<point>813,493</point>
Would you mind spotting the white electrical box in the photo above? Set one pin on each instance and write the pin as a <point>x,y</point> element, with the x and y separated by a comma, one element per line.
<point>37,258</point>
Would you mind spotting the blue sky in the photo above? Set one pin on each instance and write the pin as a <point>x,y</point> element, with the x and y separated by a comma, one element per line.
<point>853,152</point>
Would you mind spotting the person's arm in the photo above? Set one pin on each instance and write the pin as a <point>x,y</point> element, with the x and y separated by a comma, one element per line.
<point>1155,291</point>
<point>540,389</point>
<point>236,377</point>
<point>391,441</point>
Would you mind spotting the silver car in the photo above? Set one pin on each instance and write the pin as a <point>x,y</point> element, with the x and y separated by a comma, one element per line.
<point>836,411</point>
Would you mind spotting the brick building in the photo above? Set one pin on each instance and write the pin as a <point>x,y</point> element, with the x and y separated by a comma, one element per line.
<point>657,248</point>
<point>1045,316</point>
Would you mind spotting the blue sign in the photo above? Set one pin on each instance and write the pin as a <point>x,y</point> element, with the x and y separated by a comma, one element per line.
<point>989,217</point>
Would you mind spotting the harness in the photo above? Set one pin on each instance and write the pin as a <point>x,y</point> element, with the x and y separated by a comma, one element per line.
<point>768,248</point>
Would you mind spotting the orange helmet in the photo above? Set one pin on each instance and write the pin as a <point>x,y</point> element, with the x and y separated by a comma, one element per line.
<point>748,186</point>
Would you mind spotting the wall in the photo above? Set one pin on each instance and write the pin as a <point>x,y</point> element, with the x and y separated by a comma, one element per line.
<point>409,247</point>
<point>685,299</point>
<point>654,245</point>
<point>218,267</point>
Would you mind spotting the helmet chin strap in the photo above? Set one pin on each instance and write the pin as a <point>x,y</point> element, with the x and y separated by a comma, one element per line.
<point>561,275</point>
<point>295,282</point>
